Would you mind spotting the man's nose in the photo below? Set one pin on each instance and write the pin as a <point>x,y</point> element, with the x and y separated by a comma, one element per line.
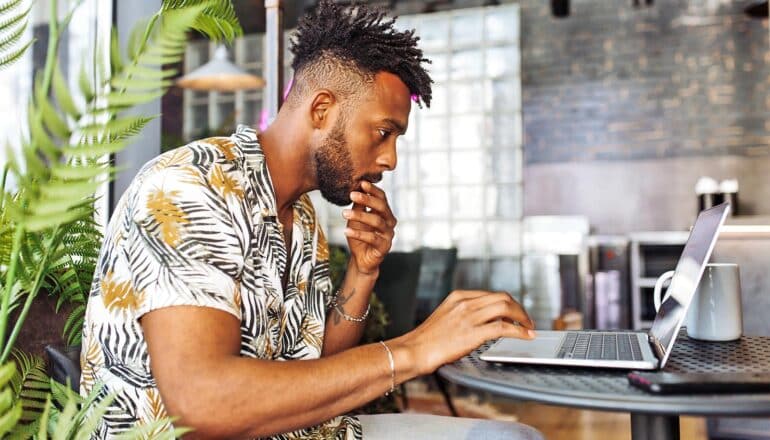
<point>388,158</point>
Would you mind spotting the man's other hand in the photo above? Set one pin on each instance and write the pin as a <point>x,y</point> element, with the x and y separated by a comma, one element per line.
<point>370,229</point>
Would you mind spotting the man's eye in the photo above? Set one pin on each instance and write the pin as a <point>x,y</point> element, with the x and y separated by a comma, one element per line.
<point>384,133</point>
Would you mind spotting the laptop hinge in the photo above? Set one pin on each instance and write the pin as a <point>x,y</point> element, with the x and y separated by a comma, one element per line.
<point>657,348</point>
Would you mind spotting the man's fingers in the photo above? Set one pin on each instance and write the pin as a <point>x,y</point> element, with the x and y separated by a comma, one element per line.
<point>462,295</point>
<point>380,243</point>
<point>376,204</point>
<point>373,189</point>
<point>504,297</point>
<point>505,310</point>
<point>367,218</point>
<point>502,329</point>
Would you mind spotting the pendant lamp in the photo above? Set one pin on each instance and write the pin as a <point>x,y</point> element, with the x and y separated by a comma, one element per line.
<point>221,75</point>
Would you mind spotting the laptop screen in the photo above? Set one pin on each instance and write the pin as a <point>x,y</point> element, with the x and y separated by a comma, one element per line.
<point>689,270</point>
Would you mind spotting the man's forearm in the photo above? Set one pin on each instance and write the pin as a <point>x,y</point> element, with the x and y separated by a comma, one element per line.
<point>247,398</point>
<point>353,300</point>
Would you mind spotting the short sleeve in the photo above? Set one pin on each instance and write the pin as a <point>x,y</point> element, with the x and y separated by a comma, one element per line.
<point>182,247</point>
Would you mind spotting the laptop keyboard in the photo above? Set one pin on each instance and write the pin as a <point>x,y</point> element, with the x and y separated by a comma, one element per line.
<point>600,346</point>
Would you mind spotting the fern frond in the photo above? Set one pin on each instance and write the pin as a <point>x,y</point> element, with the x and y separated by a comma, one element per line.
<point>73,328</point>
<point>72,271</point>
<point>218,20</point>
<point>39,222</point>
<point>9,5</point>
<point>15,55</point>
<point>55,124</point>
<point>10,408</point>
<point>13,37</point>
<point>11,31</point>
<point>90,421</point>
<point>81,172</point>
<point>63,95</point>
<point>135,39</point>
<point>84,82</point>
<point>9,23</point>
<point>65,423</point>
<point>31,385</point>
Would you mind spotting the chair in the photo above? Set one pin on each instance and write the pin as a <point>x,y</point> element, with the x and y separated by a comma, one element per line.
<point>435,282</point>
<point>436,275</point>
<point>396,287</point>
<point>411,285</point>
<point>64,365</point>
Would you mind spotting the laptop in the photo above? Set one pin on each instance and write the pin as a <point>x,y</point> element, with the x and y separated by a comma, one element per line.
<point>626,350</point>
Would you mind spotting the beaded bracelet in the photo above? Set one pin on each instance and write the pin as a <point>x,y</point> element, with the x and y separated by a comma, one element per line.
<point>348,317</point>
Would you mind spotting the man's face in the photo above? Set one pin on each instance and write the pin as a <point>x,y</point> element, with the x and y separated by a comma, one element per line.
<point>362,143</point>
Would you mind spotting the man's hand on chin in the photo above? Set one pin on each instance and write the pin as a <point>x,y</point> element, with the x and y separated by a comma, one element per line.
<point>370,229</point>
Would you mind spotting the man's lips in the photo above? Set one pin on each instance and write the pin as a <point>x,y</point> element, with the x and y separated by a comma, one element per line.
<point>372,178</point>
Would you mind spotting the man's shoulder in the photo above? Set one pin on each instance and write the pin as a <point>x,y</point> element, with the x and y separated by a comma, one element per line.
<point>199,160</point>
<point>201,153</point>
<point>210,166</point>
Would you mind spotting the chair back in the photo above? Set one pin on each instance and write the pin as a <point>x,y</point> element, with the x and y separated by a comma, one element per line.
<point>435,282</point>
<point>64,364</point>
<point>396,288</point>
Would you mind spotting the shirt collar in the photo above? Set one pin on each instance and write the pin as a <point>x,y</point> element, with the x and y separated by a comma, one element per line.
<point>256,169</point>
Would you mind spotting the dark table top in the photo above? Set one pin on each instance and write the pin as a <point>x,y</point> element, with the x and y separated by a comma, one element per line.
<point>607,389</point>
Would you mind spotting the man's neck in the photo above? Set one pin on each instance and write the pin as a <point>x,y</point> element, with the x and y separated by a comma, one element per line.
<point>289,163</point>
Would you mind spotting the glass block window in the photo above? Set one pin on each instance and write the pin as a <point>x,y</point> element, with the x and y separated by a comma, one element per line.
<point>459,176</point>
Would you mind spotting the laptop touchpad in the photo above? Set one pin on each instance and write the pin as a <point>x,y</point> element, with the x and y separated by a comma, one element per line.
<point>545,345</point>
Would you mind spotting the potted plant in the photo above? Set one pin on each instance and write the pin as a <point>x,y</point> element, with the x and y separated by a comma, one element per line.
<point>48,239</point>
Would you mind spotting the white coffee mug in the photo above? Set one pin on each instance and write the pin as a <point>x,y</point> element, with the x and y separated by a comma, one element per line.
<point>715,311</point>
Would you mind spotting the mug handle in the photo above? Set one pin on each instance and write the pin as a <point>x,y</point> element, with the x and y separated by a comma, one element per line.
<point>659,286</point>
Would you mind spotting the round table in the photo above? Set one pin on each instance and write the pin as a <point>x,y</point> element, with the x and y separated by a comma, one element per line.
<point>652,416</point>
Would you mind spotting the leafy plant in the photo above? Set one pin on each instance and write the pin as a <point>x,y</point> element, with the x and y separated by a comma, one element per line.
<point>217,20</point>
<point>73,270</point>
<point>13,22</point>
<point>48,236</point>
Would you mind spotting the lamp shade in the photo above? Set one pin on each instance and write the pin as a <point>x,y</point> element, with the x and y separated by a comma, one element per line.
<point>221,75</point>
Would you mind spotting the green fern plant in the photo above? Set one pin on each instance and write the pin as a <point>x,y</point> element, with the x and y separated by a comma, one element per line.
<point>48,238</point>
<point>31,386</point>
<point>72,272</point>
<point>13,22</point>
<point>217,21</point>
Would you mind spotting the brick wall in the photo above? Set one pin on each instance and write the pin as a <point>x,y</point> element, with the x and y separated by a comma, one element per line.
<point>614,82</point>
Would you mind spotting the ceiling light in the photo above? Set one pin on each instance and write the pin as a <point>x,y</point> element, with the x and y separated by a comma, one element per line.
<point>221,75</point>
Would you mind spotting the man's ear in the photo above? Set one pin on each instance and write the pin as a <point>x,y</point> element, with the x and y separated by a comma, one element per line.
<point>321,107</point>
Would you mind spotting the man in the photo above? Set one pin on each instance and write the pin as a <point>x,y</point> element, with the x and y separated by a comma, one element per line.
<point>212,301</point>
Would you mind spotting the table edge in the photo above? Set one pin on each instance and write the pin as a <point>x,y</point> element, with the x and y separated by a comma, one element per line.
<point>747,408</point>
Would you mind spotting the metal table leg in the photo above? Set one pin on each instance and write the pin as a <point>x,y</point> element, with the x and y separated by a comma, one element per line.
<point>652,426</point>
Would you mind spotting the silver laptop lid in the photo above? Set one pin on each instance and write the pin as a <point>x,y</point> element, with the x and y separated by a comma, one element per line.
<point>689,271</point>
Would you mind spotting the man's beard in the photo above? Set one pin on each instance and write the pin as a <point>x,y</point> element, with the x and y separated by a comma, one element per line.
<point>334,167</point>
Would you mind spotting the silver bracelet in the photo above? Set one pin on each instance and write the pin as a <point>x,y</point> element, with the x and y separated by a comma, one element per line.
<point>392,368</point>
<point>348,317</point>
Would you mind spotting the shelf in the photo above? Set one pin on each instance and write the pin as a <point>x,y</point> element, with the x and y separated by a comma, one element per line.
<point>646,282</point>
<point>653,238</point>
<point>652,254</point>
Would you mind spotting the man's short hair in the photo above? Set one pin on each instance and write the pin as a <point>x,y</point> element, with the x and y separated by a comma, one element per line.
<point>343,48</point>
